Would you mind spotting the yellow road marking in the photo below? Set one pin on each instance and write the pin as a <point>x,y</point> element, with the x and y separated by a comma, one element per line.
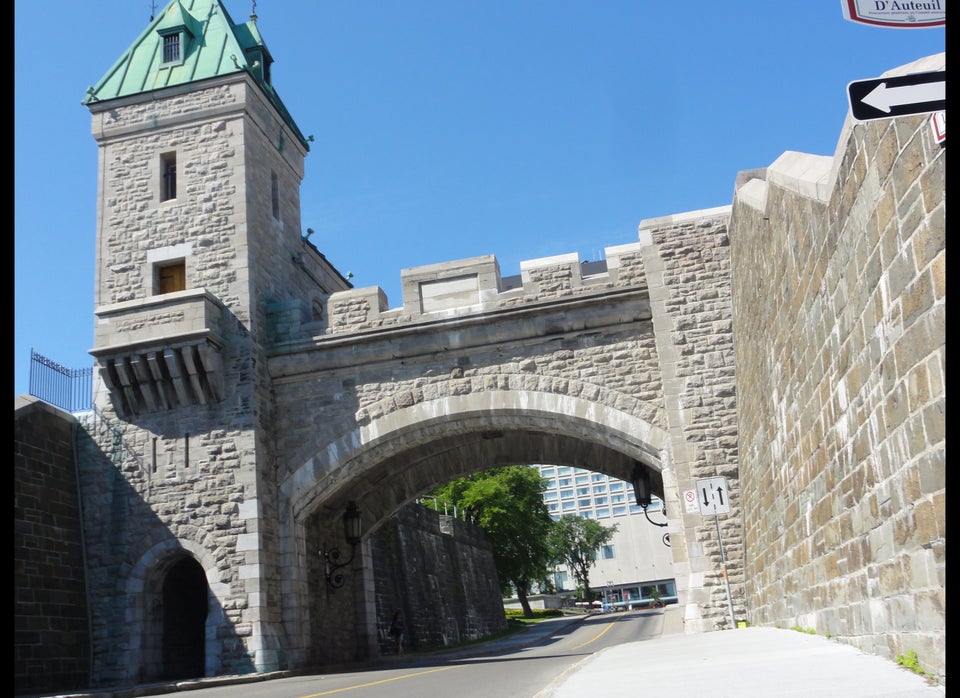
<point>597,636</point>
<point>377,683</point>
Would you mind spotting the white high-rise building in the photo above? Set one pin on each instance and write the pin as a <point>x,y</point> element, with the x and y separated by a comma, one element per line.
<point>638,556</point>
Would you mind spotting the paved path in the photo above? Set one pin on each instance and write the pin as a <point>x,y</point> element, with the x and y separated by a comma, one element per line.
<point>741,663</point>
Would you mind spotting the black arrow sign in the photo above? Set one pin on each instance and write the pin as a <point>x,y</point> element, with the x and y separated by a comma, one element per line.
<point>900,95</point>
<point>720,495</point>
<point>706,502</point>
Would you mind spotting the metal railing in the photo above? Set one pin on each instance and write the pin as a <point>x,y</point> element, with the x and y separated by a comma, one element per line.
<point>70,389</point>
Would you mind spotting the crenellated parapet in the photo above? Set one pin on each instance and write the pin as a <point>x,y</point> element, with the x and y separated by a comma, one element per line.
<point>475,285</point>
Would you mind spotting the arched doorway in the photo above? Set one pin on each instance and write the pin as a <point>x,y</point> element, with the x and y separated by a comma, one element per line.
<point>184,596</point>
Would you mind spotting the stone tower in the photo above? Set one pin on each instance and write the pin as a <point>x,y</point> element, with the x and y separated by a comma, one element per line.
<point>200,255</point>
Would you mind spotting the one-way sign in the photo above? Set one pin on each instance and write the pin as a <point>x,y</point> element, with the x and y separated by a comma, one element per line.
<point>900,95</point>
<point>712,496</point>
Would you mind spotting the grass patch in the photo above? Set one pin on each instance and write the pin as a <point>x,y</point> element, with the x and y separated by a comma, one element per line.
<point>536,614</point>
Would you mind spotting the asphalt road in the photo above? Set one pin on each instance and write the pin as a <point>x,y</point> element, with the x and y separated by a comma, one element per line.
<point>492,670</point>
<point>521,666</point>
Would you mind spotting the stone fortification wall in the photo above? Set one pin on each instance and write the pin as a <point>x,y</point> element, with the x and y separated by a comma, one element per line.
<point>838,311</point>
<point>51,629</point>
<point>439,572</point>
<point>687,262</point>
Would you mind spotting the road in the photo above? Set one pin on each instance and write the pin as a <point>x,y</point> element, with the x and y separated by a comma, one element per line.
<point>518,673</point>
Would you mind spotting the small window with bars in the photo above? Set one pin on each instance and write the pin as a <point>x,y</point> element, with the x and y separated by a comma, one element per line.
<point>171,48</point>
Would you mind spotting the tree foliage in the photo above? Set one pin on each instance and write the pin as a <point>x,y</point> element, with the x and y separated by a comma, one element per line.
<point>507,502</point>
<point>574,541</point>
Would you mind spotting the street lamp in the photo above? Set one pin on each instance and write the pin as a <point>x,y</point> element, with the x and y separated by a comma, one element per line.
<point>352,529</point>
<point>641,485</point>
<point>641,490</point>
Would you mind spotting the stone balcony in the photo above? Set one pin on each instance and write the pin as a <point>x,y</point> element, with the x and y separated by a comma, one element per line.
<point>161,352</point>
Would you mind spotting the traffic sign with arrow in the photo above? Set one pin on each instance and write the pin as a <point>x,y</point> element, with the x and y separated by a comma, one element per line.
<point>900,95</point>
<point>713,496</point>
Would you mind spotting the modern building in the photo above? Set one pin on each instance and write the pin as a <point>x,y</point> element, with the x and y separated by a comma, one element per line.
<point>637,558</point>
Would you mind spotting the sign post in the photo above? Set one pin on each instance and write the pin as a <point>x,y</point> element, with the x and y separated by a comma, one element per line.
<point>714,500</point>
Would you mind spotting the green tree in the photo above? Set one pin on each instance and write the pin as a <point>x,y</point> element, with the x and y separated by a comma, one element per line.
<point>507,503</point>
<point>574,541</point>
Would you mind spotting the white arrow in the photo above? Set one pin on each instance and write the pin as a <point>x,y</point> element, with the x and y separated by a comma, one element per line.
<point>882,97</point>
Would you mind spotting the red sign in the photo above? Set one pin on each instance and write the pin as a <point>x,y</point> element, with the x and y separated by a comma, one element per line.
<point>938,122</point>
<point>899,14</point>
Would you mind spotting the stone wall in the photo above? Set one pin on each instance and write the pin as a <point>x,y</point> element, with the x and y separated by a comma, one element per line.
<point>687,262</point>
<point>51,628</point>
<point>838,268</point>
<point>440,573</point>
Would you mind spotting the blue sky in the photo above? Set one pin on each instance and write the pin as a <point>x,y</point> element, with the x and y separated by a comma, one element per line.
<point>447,129</point>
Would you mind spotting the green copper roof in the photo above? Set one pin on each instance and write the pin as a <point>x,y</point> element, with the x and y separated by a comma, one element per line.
<point>210,45</point>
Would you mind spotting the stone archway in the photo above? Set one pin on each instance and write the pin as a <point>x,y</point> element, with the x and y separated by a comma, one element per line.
<point>392,460</point>
<point>184,595</point>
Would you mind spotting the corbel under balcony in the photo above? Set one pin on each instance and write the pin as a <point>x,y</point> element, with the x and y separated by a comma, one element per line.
<point>161,352</point>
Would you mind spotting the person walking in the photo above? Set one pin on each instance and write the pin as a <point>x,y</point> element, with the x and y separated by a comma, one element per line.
<point>397,631</point>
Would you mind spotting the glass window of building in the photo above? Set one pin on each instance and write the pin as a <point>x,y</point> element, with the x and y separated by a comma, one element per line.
<point>564,470</point>
<point>568,505</point>
<point>607,552</point>
<point>599,477</point>
<point>565,482</point>
<point>616,486</point>
<point>547,472</point>
<point>599,489</point>
<point>548,496</point>
<point>583,479</point>
<point>584,503</point>
<point>599,500</point>
<point>603,512</point>
<point>566,494</point>
<point>616,498</point>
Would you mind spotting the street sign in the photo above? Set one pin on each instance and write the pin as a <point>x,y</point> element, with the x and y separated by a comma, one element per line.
<point>899,95</point>
<point>898,14</point>
<point>713,497</point>
<point>938,122</point>
<point>690,501</point>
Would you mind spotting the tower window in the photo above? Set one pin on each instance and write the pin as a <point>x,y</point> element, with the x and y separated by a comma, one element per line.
<point>170,276</point>
<point>275,195</point>
<point>168,176</point>
<point>171,48</point>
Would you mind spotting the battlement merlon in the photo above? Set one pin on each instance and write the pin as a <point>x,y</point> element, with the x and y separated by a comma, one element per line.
<point>475,285</point>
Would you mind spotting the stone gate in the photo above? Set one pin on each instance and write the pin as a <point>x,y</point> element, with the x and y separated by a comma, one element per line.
<point>247,393</point>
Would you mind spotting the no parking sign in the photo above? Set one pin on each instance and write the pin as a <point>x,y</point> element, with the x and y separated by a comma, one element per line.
<point>690,501</point>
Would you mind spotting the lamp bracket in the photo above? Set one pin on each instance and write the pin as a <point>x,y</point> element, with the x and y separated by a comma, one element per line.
<point>331,566</point>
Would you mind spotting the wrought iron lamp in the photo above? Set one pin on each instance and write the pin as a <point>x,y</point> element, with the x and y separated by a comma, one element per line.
<point>352,529</point>
<point>641,490</point>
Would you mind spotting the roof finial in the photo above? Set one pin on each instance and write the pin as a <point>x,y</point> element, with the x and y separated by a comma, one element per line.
<point>253,11</point>
<point>153,9</point>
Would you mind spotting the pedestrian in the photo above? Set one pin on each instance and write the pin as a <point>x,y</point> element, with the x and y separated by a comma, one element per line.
<point>397,631</point>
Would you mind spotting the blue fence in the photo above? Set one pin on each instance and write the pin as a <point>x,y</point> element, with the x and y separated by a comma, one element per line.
<point>69,389</point>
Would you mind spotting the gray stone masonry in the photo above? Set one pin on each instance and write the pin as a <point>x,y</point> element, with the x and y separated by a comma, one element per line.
<point>839,280</point>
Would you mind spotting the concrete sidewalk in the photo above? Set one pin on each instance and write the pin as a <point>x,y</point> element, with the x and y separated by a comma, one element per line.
<point>741,663</point>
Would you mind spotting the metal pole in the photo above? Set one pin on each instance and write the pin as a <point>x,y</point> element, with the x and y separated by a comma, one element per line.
<point>726,580</point>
